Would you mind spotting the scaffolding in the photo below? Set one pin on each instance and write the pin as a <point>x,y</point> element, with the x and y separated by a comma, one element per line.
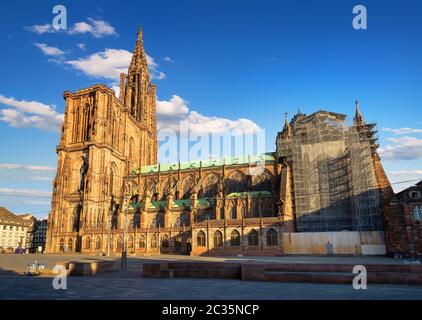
<point>335,187</point>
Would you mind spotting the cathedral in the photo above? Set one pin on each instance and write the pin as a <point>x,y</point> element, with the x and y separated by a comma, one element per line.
<point>110,193</point>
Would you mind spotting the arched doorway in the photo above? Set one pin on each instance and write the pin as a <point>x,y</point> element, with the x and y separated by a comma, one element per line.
<point>70,245</point>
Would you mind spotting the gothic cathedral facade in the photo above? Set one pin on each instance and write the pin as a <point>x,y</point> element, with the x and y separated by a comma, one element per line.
<point>110,193</point>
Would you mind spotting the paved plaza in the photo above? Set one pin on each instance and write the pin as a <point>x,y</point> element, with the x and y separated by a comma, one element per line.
<point>129,284</point>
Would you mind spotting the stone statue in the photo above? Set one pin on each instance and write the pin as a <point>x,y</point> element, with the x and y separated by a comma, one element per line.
<point>169,199</point>
<point>220,189</point>
<point>280,207</point>
<point>148,194</point>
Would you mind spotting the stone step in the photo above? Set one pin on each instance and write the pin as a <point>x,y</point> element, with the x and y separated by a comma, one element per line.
<point>204,265</point>
<point>201,273</point>
<point>91,268</point>
<point>395,278</point>
<point>317,273</point>
<point>303,267</point>
<point>314,277</point>
<point>343,277</point>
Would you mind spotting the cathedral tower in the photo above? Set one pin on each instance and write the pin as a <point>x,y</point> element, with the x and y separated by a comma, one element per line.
<point>103,139</point>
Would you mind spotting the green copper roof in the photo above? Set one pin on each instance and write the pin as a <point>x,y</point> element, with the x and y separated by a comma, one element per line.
<point>206,163</point>
<point>252,194</point>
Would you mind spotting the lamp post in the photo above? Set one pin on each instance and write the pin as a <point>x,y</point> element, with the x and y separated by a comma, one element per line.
<point>130,190</point>
<point>112,208</point>
<point>21,245</point>
<point>123,263</point>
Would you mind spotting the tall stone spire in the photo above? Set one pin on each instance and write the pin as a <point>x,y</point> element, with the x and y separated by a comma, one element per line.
<point>137,86</point>
<point>139,60</point>
<point>358,119</point>
<point>287,129</point>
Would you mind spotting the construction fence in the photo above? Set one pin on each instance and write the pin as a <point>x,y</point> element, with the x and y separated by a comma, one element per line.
<point>327,243</point>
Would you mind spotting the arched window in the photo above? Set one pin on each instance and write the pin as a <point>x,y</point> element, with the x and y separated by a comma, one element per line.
<point>222,213</point>
<point>131,161</point>
<point>255,209</point>
<point>244,211</point>
<point>165,243</point>
<point>76,217</point>
<point>209,186</point>
<point>262,182</point>
<point>272,238</point>
<point>88,243</point>
<point>200,239</point>
<point>235,238</point>
<point>70,245</point>
<point>111,181</point>
<point>236,182</point>
<point>113,178</point>
<point>186,187</point>
<point>61,245</point>
<point>114,220</point>
<point>267,210</point>
<point>120,243</point>
<point>154,242</point>
<point>131,147</point>
<point>233,213</point>
<point>130,243</point>
<point>76,122</point>
<point>98,244</point>
<point>218,239</point>
<point>253,238</point>
<point>142,242</point>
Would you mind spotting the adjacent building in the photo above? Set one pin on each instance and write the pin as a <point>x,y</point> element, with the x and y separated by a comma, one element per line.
<point>30,230</point>
<point>39,236</point>
<point>13,230</point>
<point>403,219</point>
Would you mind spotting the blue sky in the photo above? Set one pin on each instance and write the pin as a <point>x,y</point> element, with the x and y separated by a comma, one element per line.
<point>225,59</point>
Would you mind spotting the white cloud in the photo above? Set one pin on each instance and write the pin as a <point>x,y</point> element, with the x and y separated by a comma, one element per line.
<point>116,90</point>
<point>48,50</point>
<point>106,64</point>
<point>28,106</point>
<point>18,166</point>
<point>403,148</point>
<point>153,68</point>
<point>25,192</point>
<point>402,179</point>
<point>38,202</point>
<point>401,173</point>
<point>176,106</point>
<point>171,113</point>
<point>41,178</point>
<point>81,46</point>
<point>40,29</point>
<point>98,28</point>
<point>403,130</point>
<point>110,63</point>
<point>270,59</point>
<point>203,124</point>
<point>168,60</point>
<point>30,114</point>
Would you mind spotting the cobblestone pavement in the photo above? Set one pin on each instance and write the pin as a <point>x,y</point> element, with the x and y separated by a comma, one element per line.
<point>15,262</point>
<point>129,284</point>
<point>113,287</point>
